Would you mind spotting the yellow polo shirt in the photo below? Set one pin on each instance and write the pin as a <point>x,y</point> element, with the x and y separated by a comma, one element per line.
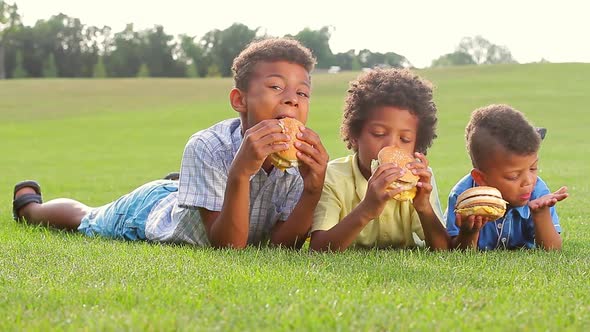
<point>398,226</point>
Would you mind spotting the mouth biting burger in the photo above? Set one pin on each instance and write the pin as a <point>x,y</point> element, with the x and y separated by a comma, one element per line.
<point>287,158</point>
<point>392,154</point>
<point>481,201</point>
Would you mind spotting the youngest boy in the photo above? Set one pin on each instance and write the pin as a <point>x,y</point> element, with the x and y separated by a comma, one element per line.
<point>503,147</point>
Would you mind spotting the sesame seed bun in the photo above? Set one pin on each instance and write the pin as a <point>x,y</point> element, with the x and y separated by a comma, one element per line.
<point>481,201</point>
<point>408,181</point>
<point>287,158</point>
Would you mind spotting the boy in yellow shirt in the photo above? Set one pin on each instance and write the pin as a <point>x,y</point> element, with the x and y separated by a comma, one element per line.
<point>383,108</point>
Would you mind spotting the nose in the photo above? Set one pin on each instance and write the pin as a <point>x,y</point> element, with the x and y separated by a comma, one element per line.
<point>290,98</point>
<point>392,141</point>
<point>529,179</point>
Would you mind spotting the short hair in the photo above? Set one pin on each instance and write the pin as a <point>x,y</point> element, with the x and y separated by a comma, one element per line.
<point>269,50</point>
<point>390,87</point>
<point>499,125</point>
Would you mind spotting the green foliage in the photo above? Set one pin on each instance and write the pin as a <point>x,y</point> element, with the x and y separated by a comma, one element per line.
<point>191,71</point>
<point>97,139</point>
<point>99,69</point>
<point>483,51</point>
<point>49,69</point>
<point>126,57</point>
<point>144,71</point>
<point>457,58</point>
<point>318,41</point>
<point>222,46</point>
<point>158,54</point>
<point>18,72</point>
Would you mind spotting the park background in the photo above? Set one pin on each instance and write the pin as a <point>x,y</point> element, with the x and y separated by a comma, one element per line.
<point>98,138</point>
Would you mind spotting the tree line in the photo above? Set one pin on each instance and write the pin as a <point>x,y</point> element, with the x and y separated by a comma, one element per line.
<point>62,46</point>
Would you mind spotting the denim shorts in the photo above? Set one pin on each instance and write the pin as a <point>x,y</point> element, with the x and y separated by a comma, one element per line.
<point>126,217</point>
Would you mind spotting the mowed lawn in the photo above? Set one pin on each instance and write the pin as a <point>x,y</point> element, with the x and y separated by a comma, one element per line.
<point>95,140</point>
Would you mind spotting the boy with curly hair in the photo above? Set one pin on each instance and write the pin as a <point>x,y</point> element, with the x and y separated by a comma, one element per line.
<point>228,194</point>
<point>384,107</point>
<point>503,147</point>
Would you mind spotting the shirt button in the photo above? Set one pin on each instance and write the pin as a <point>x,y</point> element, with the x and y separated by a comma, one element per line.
<point>499,225</point>
<point>503,240</point>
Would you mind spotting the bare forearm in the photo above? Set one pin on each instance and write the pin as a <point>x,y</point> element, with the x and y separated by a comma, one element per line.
<point>230,229</point>
<point>545,234</point>
<point>292,232</point>
<point>465,241</point>
<point>343,234</point>
<point>435,234</point>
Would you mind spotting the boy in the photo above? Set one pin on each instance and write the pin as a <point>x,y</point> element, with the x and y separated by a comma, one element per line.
<point>228,194</point>
<point>383,108</point>
<point>503,147</point>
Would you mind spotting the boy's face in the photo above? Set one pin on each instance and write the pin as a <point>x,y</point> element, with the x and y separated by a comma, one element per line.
<point>276,90</point>
<point>385,126</point>
<point>514,175</point>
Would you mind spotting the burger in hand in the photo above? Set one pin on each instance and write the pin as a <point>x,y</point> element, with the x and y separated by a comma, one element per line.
<point>392,154</point>
<point>481,201</point>
<point>287,158</point>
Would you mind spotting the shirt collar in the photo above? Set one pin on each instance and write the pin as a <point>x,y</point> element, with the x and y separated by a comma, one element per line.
<point>523,211</point>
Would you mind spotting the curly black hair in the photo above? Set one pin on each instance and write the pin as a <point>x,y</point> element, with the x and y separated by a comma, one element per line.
<point>269,50</point>
<point>390,87</point>
<point>499,125</point>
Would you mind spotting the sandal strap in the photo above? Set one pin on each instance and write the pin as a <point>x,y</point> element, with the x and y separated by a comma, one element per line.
<point>21,201</point>
<point>27,184</point>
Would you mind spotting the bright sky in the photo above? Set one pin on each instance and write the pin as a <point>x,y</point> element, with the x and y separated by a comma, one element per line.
<point>421,30</point>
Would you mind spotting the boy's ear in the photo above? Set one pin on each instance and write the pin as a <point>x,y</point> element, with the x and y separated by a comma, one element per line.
<point>237,98</point>
<point>478,176</point>
<point>354,144</point>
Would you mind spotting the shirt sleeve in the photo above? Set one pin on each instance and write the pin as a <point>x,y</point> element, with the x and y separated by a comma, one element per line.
<point>327,211</point>
<point>203,176</point>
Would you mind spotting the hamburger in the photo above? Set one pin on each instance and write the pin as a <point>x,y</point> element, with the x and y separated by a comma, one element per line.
<point>481,201</point>
<point>392,154</point>
<point>287,158</point>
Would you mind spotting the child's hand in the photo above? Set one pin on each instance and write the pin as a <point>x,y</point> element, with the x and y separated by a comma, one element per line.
<point>378,194</point>
<point>259,141</point>
<point>424,188</point>
<point>314,158</point>
<point>471,224</point>
<point>548,200</point>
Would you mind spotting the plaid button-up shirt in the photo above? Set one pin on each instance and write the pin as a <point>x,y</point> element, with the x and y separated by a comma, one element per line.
<point>206,161</point>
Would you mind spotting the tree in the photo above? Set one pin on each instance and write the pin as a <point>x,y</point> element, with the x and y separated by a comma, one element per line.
<point>193,55</point>
<point>222,46</point>
<point>483,51</point>
<point>99,70</point>
<point>345,60</point>
<point>369,59</point>
<point>49,69</point>
<point>457,58</point>
<point>158,54</point>
<point>10,22</point>
<point>318,41</point>
<point>123,55</point>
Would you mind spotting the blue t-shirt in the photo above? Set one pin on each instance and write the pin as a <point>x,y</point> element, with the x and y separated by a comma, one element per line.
<point>515,230</point>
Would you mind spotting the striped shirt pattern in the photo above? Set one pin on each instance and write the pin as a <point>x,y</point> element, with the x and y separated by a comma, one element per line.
<point>206,161</point>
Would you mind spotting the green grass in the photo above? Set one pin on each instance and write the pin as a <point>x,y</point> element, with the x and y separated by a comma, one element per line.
<point>95,140</point>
